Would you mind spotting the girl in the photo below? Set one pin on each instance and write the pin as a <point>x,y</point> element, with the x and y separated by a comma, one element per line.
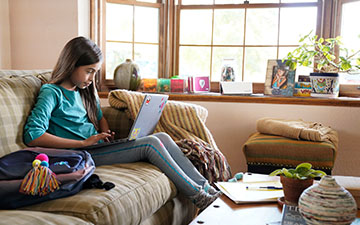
<point>67,114</point>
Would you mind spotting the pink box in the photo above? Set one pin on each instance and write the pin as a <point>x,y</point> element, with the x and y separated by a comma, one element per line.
<point>199,84</point>
<point>177,85</point>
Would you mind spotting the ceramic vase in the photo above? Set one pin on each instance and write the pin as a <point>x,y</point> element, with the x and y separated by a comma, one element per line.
<point>293,188</point>
<point>126,75</point>
<point>325,84</point>
<point>327,203</point>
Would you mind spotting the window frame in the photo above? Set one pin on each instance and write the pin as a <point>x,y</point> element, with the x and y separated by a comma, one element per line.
<point>98,33</point>
<point>349,90</point>
<point>329,15</point>
<point>243,46</point>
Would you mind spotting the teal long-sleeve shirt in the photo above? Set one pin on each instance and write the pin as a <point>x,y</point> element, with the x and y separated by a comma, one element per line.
<point>60,112</point>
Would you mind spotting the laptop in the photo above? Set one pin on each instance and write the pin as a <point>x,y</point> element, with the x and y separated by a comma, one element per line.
<point>145,122</point>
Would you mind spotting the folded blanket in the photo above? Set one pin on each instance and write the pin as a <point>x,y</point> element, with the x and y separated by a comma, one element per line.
<point>185,123</point>
<point>297,129</point>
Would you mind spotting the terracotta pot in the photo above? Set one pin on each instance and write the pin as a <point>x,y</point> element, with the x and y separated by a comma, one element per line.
<point>293,188</point>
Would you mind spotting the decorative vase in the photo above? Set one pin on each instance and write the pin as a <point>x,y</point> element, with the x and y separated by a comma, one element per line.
<point>127,76</point>
<point>293,188</point>
<point>327,203</point>
<point>325,84</point>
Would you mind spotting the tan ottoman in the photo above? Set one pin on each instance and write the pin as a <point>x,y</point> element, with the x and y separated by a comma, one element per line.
<point>264,153</point>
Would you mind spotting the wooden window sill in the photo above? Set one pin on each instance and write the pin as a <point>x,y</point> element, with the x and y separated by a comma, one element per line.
<point>260,98</point>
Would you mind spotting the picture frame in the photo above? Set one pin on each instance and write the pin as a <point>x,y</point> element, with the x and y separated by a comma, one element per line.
<point>279,79</point>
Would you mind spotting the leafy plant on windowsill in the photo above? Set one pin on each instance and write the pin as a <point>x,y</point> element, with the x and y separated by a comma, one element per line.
<point>302,171</point>
<point>320,54</point>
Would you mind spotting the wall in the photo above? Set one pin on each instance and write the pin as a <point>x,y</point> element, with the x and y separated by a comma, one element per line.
<point>232,123</point>
<point>5,54</point>
<point>84,18</point>
<point>39,29</point>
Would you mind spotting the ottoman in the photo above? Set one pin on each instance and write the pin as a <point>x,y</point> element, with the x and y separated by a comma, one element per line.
<point>264,153</point>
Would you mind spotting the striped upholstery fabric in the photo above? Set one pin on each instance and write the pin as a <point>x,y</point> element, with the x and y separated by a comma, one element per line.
<point>17,97</point>
<point>179,120</point>
<point>24,217</point>
<point>118,121</point>
<point>271,150</point>
<point>141,190</point>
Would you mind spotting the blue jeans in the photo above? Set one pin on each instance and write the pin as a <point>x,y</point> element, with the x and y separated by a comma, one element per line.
<point>160,150</point>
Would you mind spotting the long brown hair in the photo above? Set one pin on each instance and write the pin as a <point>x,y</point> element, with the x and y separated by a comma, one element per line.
<point>77,52</point>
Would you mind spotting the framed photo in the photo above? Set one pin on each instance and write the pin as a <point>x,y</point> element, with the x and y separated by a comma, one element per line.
<point>279,78</point>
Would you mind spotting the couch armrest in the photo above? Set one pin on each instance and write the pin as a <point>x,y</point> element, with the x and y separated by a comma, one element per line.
<point>118,121</point>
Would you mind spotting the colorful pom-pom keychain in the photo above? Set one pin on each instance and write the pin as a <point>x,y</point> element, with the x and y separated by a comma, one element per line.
<point>40,180</point>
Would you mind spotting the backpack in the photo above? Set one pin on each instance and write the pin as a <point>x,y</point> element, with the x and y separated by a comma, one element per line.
<point>72,168</point>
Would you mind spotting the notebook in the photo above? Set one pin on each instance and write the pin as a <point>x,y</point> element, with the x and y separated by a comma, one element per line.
<point>251,189</point>
<point>145,122</point>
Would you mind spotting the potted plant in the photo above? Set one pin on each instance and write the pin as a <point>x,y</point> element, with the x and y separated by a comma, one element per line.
<point>320,54</point>
<point>295,181</point>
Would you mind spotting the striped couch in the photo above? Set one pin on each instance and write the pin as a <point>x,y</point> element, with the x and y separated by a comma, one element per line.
<point>143,194</point>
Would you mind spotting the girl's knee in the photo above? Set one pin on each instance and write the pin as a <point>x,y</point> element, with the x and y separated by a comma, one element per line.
<point>162,136</point>
<point>153,140</point>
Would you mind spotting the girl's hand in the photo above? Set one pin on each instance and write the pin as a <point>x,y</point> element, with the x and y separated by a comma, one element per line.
<point>96,138</point>
<point>112,135</point>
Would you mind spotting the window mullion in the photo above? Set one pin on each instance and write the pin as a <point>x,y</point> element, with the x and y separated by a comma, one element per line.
<point>244,42</point>
<point>212,41</point>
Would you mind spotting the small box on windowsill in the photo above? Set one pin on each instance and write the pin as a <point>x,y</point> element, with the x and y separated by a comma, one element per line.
<point>149,84</point>
<point>163,85</point>
<point>236,88</point>
<point>177,85</point>
<point>198,84</point>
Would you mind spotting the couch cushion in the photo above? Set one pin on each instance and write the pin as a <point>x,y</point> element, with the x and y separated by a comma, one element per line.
<point>141,189</point>
<point>25,217</point>
<point>178,211</point>
<point>17,97</point>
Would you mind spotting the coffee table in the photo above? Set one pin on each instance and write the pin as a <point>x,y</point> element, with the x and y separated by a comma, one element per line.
<point>224,211</point>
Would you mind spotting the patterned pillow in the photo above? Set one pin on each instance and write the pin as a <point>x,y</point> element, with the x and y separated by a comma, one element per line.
<point>17,97</point>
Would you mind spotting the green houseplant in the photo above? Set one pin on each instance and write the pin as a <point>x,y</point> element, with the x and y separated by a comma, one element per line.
<point>328,58</point>
<point>296,180</point>
<point>320,54</point>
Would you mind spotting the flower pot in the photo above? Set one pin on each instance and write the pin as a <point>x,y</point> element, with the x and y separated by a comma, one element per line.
<point>324,84</point>
<point>327,203</point>
<point>293,188</point>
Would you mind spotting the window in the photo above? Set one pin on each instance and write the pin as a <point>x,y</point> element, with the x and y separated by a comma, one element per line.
<point>350,34</point>
<point>132,31</point>
<point>195,37</point>
<point>250,34</point>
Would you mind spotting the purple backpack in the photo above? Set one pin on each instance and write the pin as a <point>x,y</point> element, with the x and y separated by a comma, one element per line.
<point>71,168</point>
